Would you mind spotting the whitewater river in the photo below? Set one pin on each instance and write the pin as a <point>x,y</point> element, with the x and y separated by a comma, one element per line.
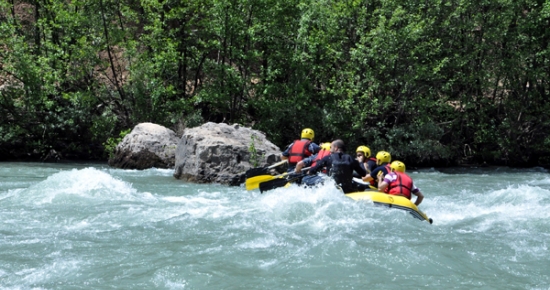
<point>88,226</point>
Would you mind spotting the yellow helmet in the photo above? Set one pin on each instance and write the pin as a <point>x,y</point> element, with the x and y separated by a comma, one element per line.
<point>364,149</point>
<point>383,157</point>
<point>397,166</point>
<point>308,133</point>
<point>325,146</point>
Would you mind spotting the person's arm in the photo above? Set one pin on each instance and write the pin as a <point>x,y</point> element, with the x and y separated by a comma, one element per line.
<point>419,198</point>
<point>314,148</point>
<point>372,176</point>
<point>304,163</point>
<point>365,166</point>
<point>380,176</point>
<point>314,169</point>
<point>382,186</point>
<point>325,162</point>
<point>368,178</point>
<point>385,182</point>
<point>299,166</point>
<point>364,162</point>
<point>419,195</point>
<point>357,167</point>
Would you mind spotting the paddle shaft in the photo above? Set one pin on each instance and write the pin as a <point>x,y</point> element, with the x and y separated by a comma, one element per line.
<point>262,170</point>
<point>254,182</point>
<point>279,182</point>
<point>287,173</point>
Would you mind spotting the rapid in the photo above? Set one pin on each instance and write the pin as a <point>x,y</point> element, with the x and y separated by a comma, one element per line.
<point>89,226</point>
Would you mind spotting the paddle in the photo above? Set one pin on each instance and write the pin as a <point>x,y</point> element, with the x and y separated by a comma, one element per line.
<point>262,170</point>
<point>254,182</point>
<point>279,182</point>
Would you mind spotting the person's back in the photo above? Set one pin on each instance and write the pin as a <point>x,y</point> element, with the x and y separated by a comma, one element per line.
<point>342,171</point>
<point>300,149</point>
<point>342,167</point>
<point>397,182</point>
<point>311,161</point>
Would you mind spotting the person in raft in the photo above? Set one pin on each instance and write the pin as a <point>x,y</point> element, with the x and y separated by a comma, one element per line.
<point>363,156</point>
<point>312,180</point>
<point>397,182</point>
<point>300,149</point>
<point>383,159</point>
<point>340,167</point>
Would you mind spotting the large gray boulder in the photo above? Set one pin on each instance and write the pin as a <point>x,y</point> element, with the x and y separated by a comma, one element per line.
<point>220,153</point>
<point>148,145</point>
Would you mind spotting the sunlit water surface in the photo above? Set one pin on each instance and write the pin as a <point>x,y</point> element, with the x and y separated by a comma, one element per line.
<point>71,226</point>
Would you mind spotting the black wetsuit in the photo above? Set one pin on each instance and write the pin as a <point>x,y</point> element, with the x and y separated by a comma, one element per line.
<point>340,167</point>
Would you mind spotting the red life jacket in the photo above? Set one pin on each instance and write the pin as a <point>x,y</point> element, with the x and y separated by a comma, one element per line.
<point>298,151</point>
<point>320,156</point>
<point>401,186</point>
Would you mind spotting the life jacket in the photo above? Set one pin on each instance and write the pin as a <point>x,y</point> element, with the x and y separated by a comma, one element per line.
<point>320,156</point>
<point>401,186</point>
<point>298,151</point>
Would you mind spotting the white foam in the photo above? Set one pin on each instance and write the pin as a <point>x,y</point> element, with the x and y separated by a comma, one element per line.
<point>56,270</point>
<point>507,206</point>
<point>261,243</point>
<point>87,183</point>
<point>165,278</point>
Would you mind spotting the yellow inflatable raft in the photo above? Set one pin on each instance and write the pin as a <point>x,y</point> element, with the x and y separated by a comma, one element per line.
<point>391,201</point>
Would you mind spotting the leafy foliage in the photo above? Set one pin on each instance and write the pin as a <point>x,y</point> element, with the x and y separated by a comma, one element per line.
<point>435,82</point>
<point>111,143</point>
<point>255,156</point>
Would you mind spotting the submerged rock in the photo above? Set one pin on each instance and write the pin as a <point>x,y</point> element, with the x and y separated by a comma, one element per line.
<point>148,145</point>
<point>220,153</point>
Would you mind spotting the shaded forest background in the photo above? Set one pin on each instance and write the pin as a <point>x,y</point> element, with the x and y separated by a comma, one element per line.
<point>434,82</point>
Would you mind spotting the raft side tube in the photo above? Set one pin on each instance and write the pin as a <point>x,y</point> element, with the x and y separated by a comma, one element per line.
<point>391,201</point>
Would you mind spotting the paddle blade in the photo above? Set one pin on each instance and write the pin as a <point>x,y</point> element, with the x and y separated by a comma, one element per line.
<point>272,184</point>
<point>256,171</point>
<point>279,182</point>
<point>254,182</point>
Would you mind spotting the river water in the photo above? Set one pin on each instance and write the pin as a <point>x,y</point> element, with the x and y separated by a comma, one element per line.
<point>88,226</point>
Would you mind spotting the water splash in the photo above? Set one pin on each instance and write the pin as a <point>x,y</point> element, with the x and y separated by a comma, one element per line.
<point>80,187</point>
<point>102,227</point>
